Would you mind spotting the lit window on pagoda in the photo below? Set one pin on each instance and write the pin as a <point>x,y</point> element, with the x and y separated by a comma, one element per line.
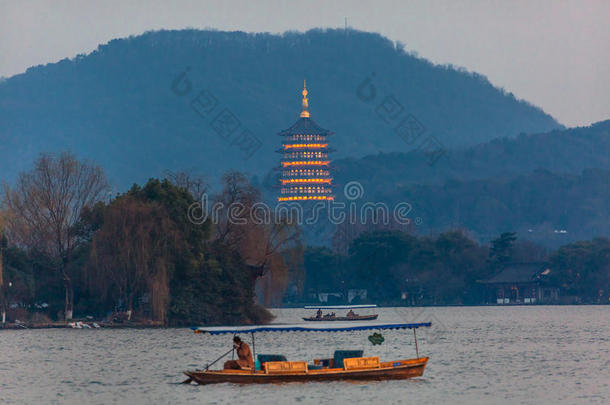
<point>305,167</point>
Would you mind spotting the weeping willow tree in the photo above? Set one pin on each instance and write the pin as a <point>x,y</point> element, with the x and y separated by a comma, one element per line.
<point>132,254</point>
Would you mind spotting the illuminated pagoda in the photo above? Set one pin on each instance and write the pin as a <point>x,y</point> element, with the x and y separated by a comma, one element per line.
<point>305,170</point>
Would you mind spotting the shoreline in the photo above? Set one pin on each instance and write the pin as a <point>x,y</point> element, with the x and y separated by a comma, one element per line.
<point>66,325</point>
<point>159,325</point>
<point>300,306</point>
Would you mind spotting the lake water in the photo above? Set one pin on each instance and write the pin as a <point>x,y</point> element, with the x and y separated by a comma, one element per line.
<point>505,355</point>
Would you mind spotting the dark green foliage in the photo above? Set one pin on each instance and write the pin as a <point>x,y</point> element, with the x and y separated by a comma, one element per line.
<point>428,270</point>
<point>19,271</point>
<point>567,151</point>
<point>398,268</point>
<point>325,271</point>
<point>33,280</point>
<point>218,289</point>
<point>547,208</point>
<point>116,105</point>
<point>209,283</point>
<point>502,250</point>
<point>583,269</point>
<point>376,261</point>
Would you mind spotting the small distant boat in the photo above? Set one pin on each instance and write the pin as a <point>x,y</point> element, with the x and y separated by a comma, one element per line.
<point>344,365</point>
<point>350,316</point>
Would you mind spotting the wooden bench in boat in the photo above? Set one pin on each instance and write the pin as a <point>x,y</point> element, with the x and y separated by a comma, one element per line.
<point>354,363</point>
<point>284,367</point>
<point>359,363</point>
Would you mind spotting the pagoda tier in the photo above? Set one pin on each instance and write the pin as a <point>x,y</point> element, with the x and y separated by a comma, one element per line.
<point>305,164</point>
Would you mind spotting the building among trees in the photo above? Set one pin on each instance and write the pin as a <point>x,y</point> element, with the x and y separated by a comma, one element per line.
<point>521,283</point>
<point>305,167</point>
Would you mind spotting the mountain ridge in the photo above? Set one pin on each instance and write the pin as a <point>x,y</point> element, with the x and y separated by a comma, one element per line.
<point>116,105</point>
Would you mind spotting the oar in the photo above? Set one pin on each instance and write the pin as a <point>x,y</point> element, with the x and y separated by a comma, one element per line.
<point>189,380</point>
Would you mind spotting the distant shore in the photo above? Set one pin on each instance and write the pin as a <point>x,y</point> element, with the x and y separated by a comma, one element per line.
<point>147,324</point>
<point>100,325</point>
<point>301,306</point>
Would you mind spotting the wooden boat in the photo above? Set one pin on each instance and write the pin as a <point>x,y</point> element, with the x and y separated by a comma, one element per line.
<point>351,316</point>
<point>397,370</point>
<point>349,368</point>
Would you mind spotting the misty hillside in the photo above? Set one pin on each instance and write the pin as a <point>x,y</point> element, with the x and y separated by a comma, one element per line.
<point>560,151</point>
<point>545,207</point>
<point>534,185</point>
<point>122,107</point>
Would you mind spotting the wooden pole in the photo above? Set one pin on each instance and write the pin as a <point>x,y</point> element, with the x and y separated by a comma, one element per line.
<point>416,349</point>
<point>189,380</point>
<point>253,350</point>
<point>215,361</point>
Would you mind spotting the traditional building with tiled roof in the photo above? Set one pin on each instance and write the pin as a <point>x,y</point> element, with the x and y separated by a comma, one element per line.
<point>521,283</point>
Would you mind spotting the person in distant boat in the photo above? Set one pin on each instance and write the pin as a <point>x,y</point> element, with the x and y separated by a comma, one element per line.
<point>351,314</point>
<point>319,313</point>
<point>244,356</point>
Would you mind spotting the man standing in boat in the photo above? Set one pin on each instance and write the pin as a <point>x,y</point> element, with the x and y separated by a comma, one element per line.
<point>244,356</point>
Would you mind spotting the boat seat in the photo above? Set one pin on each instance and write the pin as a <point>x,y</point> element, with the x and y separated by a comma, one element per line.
<point>340,355</point>
<point>315,366</point>
<point>263,358</point>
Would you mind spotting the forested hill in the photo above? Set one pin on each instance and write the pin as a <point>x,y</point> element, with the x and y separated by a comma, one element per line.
<point>560,151</point>
<point>118,107</point>
<point>553,187</point>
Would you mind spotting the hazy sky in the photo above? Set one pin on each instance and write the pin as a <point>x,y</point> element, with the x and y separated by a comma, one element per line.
<point>553,53</point>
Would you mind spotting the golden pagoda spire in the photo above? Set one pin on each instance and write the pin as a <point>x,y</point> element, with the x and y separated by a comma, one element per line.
<point>305,112</point>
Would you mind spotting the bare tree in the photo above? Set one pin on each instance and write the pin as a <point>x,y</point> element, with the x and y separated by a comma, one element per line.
<point>45,205</point>
<point>192,182</point>
<point>236,201</point>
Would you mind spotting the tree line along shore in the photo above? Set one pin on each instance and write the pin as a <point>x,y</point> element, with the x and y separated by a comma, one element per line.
<point>71,250</point>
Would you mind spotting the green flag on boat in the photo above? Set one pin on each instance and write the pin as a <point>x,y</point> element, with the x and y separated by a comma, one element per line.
<point>376,338</point>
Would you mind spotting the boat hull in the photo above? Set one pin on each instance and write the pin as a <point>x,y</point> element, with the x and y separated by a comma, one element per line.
<point>407,369</point>
<point>342,318</point>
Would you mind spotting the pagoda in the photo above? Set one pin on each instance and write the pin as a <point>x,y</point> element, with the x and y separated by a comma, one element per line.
<point>305,171</point>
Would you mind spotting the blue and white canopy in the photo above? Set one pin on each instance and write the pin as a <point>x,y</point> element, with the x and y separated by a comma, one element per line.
<point>339,306</point>
<point>319,327</point>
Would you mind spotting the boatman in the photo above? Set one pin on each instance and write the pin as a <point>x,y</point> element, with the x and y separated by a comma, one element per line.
<point>244,356</point>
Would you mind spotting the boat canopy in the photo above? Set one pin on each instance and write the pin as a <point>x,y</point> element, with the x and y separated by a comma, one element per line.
<point>319,327</point>
<point>339,306</point>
